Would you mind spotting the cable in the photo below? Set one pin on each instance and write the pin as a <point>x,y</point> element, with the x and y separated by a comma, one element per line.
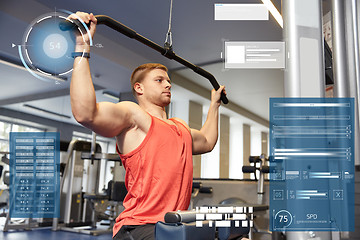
<point>168,39</point>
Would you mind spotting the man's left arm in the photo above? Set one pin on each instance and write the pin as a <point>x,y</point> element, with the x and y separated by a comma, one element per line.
<point>204,140</point>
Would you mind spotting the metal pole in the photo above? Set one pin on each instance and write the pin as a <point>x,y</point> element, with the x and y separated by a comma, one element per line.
<point>70,189</point>
<point>290,36</point>
<point>341,85</point>
<point>355,32</point>
<point>305,71</point>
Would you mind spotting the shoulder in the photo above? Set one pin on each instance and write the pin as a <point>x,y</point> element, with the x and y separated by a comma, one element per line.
<point>130,107</point>
<point>182,122</point>
<point>139,117</point>
<point>128,104</point>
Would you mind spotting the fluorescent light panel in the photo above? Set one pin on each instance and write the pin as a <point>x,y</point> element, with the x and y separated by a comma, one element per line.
<point>272,9</point>
<point>46,111</point>
<point>111,95</point>
<point>238,11</point>
<point>20,66</point>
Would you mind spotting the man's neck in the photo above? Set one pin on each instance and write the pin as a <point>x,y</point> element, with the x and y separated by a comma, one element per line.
<point>154,110</point>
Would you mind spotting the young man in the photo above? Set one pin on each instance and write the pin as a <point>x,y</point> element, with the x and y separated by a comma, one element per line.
<point>155,151</point>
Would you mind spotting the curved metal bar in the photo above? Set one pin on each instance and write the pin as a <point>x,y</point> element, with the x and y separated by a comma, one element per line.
<point>167,52</point>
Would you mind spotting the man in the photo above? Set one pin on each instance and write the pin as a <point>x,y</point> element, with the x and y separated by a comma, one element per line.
<point>156,152</point>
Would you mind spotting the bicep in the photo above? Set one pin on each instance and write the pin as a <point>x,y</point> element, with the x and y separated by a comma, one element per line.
<point>110,118</point>
<point>200,144</point>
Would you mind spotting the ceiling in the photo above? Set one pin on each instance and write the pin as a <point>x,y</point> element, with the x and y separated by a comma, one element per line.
<point>197,37</point>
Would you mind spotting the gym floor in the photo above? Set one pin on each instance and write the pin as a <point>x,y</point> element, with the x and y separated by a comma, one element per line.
<point>48,234</point>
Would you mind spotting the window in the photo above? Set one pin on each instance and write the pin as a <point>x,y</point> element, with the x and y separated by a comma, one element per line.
<point>7,127</point>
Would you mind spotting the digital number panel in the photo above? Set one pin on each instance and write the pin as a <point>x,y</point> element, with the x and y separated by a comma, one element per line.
<point>311,164</point>
<point>34,175</point>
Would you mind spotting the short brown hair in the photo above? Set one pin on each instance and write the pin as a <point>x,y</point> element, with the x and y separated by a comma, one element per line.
<point>140,72</point>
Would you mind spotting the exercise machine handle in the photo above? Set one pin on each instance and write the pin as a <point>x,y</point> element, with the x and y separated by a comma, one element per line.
<point>180,216</point>
<point>254,159</point>
<point>197,185</point>
<point>252,169</point>
<point>167,52</point>
<point>206,190</point>
<point>248,169</point>
<point>265,169</point>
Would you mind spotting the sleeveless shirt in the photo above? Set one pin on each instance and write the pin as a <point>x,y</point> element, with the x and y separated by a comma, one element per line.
<point>159,174</point>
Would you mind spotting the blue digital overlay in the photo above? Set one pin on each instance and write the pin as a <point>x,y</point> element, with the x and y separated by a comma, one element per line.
<point>34,175</point>
<point>46,49</point>
<point>312,164</point>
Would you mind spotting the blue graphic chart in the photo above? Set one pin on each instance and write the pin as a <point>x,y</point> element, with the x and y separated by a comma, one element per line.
<point>34,175</point>
<point>311,164</point>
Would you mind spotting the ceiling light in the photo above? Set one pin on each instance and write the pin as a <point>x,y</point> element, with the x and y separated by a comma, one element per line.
<point>112,95</point>
<point>14,64</point>
<point>272,9</point>
<point>46,111</point>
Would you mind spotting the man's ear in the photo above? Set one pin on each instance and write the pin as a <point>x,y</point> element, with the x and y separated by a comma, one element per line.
<point>138,87</point>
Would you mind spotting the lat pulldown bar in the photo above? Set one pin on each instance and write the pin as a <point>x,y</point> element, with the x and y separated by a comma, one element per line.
<point>167,52</point>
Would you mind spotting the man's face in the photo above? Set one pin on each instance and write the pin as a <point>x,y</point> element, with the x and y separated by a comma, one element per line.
<point>156,87</point>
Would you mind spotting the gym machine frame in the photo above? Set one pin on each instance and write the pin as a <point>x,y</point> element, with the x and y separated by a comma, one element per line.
<point>28,223</point>
<point>70,169</point>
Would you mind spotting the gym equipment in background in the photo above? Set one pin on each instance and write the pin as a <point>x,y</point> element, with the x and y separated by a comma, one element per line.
<point>260,166</point>
<point>84,207</point>
<point>197,188</point>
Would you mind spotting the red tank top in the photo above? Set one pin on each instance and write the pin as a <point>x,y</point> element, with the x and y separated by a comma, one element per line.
<point>159,175</point>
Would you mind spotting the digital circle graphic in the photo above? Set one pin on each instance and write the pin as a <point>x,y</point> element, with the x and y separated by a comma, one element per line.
<point>282,219</point>
<point>55,45</point>
<point>46,48</point>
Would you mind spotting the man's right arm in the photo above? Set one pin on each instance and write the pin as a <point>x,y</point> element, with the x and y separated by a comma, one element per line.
<point>105,118</point>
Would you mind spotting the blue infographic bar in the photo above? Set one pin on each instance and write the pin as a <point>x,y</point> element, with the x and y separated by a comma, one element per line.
<point>34,175</point>
<point>312,164</point>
